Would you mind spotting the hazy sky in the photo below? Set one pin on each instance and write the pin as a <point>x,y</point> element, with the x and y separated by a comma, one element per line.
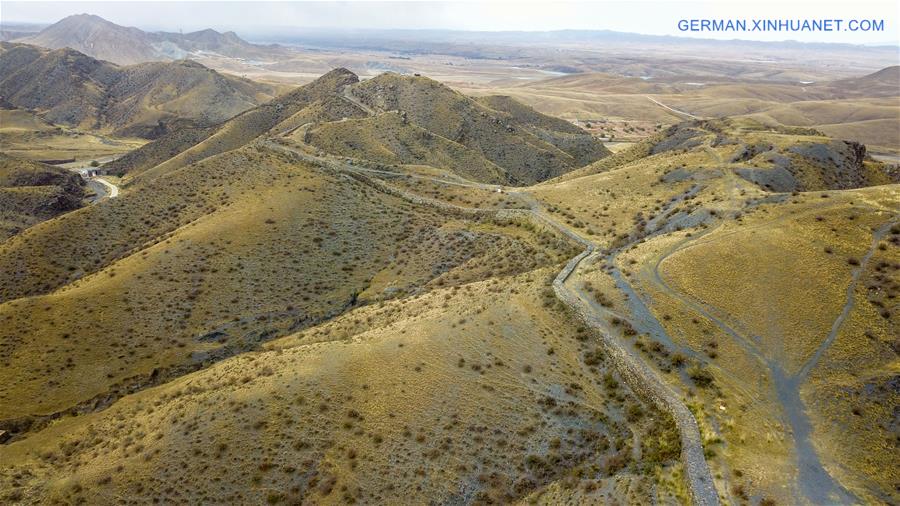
<point>649,17</point>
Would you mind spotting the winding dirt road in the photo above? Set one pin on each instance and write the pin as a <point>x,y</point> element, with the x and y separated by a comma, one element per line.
<point>671,109</point>
<point>813,483</point>
<point>640,377</point>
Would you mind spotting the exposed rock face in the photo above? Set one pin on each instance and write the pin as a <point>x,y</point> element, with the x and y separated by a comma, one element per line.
<point>811,164</point>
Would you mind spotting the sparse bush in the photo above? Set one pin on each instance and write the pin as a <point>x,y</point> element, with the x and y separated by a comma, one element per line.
<point>700,376</point>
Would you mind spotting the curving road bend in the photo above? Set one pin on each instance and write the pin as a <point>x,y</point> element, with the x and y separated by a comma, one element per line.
<point>113,189</point>
<point>103,188</point>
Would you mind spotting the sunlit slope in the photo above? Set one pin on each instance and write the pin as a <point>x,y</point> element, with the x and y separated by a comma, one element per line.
<point>159,150</point>
<point>263,246</point>
<point>197,143</point>
<point>564,135</point>
<point>775,266</point>
<point>773,158</point>
<point>486,401</point>
<point>426,123</point>
<point>798,295</point>
<point>70,88</point>
<point>772,302</point>
<point>389,139</point>
<point>505,138</point>
<point>854,382</point>
<point>183,148</point>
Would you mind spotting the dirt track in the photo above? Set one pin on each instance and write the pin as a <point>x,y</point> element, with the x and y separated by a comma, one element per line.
<point>641,378</point>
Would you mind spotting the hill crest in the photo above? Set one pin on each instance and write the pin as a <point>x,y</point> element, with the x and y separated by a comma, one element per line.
<point>67,87</point>
<point>124,45</point>
<point>515,144</point>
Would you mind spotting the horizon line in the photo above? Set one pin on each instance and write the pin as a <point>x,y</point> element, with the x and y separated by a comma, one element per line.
<point>250,29</point>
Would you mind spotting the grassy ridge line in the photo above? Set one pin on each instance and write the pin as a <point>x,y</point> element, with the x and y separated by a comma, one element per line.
<point>639,377</point>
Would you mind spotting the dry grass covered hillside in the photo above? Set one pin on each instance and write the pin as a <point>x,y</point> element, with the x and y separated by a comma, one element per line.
<point>70,88</point>
<point>31,192</point>
<point>386,291</point>
<point>391,119</point>
<point>769,306</point>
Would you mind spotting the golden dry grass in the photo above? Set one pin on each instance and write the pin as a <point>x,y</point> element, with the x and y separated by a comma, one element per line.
<point>778,278</point>
<point>757,260</point>
<point>382,404</point>
<point>218,283</point>
<point>241,326</point>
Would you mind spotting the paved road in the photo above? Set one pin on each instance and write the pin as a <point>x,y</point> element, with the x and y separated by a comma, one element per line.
<point>103,189</point>
<point>642,379</point>
<point>112,191</point>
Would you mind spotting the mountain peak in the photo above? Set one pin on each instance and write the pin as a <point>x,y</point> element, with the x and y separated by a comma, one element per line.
<point>339,72</point>
<point>105,40</point>
<point>84,19</point>
<point>82,16</point>
<point>77,90</point>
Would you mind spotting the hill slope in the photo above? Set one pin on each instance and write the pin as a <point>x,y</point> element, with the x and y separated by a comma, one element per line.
<point>70,88</point>
<point>32,192</point>
<point>183,148</point>
<point>508,137</point>
<point>335,296</point>
<point>395,119</point>
<point>387,138</point>
<point>99,38</point>
<point>883,83</point>
<point>258,318</point>
<point>758,265</point>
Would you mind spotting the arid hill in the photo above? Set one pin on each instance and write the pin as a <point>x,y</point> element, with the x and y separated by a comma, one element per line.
<point>528,146</point>
<point>333,289</point>
<point>25,134</point>
<point>862,109</point>
<point>386,291</point>
<point>184,147</point>
<point>101,39</point>
<point>32,192</point>
<point>756,268</point>
<point>393,119</point>
<point>67,87</point>
<point>883,83</point>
